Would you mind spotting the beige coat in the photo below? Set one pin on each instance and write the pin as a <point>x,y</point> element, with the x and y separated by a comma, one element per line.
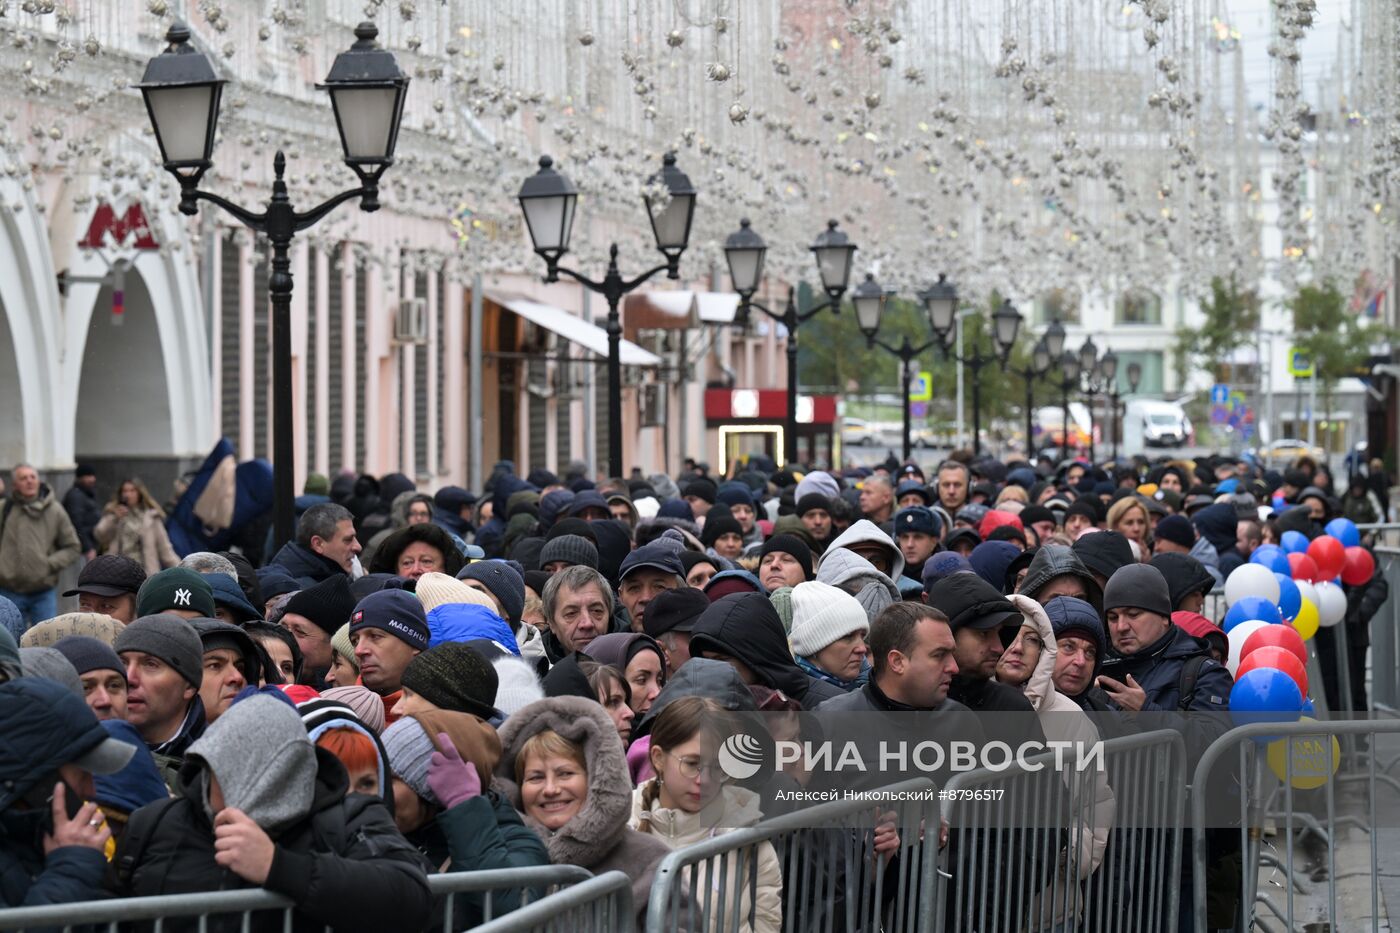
<point>732,807</point>
<point>37,541</point>
<point>1063,720</point>
<point>140,535</point>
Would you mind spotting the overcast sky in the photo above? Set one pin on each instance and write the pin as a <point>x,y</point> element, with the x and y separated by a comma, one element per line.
<point>1252,19</point>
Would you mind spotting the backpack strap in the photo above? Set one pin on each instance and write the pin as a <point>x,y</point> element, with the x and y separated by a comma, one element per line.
<point>138,834</point>
<point>1190,671</point>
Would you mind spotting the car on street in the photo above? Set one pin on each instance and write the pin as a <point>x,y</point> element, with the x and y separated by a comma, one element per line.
<point>1285,450</point>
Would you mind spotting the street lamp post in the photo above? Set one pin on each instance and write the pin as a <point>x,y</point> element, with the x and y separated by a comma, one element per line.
<point>1069,369</point>
<point>1134,377</point>
<point>1006,323</point>
<point>869,299</point>
<point>1108,376</point>
<point>1089,368</point>
<point>744,251</point>
<point>548,200</point>
<point>1039,365</point>
<point>182,94</point>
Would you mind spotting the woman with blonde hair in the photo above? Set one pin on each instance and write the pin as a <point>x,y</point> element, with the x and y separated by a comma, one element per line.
<point>1129,517</point>
<point>133,525</point>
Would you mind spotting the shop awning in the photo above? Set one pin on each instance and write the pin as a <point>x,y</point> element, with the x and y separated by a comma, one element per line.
<point>678,310</point>
<point>571,327</point>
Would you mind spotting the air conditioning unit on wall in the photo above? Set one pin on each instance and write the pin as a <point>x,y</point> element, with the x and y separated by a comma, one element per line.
<point>411,321</point>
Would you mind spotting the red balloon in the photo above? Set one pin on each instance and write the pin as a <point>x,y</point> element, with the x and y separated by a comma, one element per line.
<point>1304,567</point>
<point>1357,566</point>
<point>1329,555</point>
<point>1279,659</point>
<point>1276,636</point>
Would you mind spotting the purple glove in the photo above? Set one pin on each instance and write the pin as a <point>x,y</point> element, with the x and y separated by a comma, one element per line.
<point>452,780</point>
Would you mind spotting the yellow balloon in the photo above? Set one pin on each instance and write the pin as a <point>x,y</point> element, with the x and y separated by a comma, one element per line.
<point>1306,621</point>
<point>1312,765</point>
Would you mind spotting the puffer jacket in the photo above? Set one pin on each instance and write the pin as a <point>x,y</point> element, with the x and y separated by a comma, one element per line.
<point>732,808</point>
<point>1055,560</point>
<point>1157,669</point>
<point>37,541</point>
<point>1064,721</point>
<point>598,837</point>
<point>140,535</point>
<point>42,727</point>
<point>304,565</point>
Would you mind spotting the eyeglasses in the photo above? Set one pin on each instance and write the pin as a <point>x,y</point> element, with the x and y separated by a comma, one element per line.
<point>692,768</point>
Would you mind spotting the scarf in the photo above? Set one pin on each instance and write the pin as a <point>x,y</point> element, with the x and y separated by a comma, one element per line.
<point>848,685</point>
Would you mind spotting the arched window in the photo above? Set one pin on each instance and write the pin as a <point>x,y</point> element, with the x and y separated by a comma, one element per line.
<point>1139,306</point>
<point>1057,304</point>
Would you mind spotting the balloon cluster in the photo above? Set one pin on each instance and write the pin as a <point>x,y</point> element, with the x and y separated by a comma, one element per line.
<point>1277,603</point>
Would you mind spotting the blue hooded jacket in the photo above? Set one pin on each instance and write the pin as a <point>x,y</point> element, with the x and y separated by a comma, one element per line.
<point>136,785</point>
<point>465,621</point>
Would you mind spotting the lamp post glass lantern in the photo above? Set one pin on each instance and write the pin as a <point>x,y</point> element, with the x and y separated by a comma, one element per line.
<point>1055,339</point>
<point>744,252</point>
<point>549,200</point>
<point>941,303</point>
<point>1006,323</point>
<point>869,300</point>
<point>182,95</point>
<point>834,252</point>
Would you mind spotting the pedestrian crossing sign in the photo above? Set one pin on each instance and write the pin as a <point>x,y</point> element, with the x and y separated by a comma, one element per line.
<point>921,387</point>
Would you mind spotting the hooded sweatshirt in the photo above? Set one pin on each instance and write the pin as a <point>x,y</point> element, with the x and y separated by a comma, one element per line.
<point>852,573</point>
<point>1184,575</point>
<point>597,837</point>
<point>1055,560</point>
<point>867,532</point>
<point>745,626</point>
<point>1217,524</point>
<point>266,765</point>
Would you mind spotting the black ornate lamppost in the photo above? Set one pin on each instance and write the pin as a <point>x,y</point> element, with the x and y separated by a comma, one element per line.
<point>367,91</point>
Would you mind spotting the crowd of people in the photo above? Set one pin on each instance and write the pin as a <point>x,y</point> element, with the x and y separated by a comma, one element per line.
<point>543,674</point>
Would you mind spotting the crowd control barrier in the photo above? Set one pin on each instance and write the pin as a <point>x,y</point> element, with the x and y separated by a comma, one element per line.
<point>1385,639</point>
<point>1290,789</point>
<point>236,909</point>
<point>832,879</point>
<point>1036,847</point>
<point>598,905</point>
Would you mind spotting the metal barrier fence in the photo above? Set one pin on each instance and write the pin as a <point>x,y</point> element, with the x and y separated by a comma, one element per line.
<point>239,907</point>
<point>1295,795</point>
<point>598,905</point>
<point>1385,640</point>
<point>1040,849</point>
<point>831,877</point>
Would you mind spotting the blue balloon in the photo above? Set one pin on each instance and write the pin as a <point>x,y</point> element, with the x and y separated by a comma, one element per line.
<point>1290,598</point>
<point>1251,608</point>
<point>1294,542</point>
<point>1265,694</point>
<point>1345,531</point>
<point>1273,557</point>
<point>1308,709</point>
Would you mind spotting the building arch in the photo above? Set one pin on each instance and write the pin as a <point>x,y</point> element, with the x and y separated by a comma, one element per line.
<point>31,430</point>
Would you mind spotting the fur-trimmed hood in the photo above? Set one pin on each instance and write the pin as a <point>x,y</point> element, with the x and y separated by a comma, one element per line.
<point>600,825</point>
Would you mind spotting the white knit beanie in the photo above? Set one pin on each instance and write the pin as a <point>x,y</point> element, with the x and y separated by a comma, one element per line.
<point>438,589</point>
<point>822,614</point>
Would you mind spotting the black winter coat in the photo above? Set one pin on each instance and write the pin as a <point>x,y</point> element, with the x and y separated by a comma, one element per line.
<point>345,864</point>
<point>304,565</point>
<point>1363,602</point>
<point>745,626</point>
<point>84,512</point>
<point>28,879</point>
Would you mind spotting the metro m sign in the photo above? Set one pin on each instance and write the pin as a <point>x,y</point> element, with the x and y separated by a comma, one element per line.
<point>131,223</point>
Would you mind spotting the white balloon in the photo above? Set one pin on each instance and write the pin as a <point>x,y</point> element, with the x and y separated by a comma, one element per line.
<point>1251,580</point>
<point>1309,592</point>
<point>1332,604</point>
<point>1238,636</point>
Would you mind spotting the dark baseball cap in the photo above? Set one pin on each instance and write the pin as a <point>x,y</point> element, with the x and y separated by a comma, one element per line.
<point>675,610</point>
<point>658,555</point>
<point>971,602</point>
<point>110,575</point>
